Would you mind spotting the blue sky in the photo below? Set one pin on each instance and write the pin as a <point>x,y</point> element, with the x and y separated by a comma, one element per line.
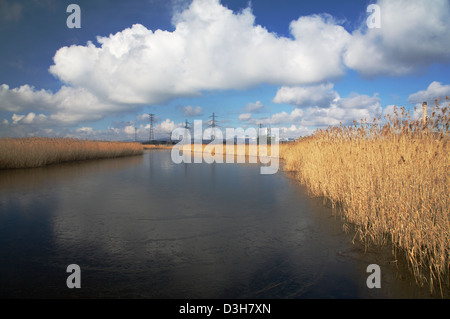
<point>296,65</point>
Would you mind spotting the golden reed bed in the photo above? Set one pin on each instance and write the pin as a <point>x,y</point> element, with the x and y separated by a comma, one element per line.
<point>35,152</point>
<point>390,182</point>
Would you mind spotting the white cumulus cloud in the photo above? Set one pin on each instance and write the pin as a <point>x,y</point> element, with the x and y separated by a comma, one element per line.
<point>321,105</point>
<point>210,48</point>
<point>245,116</point>
<point>192,110</point>
<point>319,95</point>
<point>413,35</point>
<point>436,90</point>
<point>254,107</point>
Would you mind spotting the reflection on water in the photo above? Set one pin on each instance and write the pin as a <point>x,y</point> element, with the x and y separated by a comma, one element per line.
<point>144,227</point>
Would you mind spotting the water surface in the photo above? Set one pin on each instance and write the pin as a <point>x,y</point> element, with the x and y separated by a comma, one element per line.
<point>144,227</point>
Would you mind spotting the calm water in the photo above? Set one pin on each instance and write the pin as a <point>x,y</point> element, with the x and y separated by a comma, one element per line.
<point>144,227</point>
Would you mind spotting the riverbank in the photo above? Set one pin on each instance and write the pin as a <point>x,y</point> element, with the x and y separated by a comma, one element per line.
<point>389,182</point>
<point>36,152</point>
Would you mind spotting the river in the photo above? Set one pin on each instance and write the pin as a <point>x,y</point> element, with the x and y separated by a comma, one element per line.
<point>145,227</point>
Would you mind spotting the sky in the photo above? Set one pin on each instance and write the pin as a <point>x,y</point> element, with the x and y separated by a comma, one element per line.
<point>288,64</point>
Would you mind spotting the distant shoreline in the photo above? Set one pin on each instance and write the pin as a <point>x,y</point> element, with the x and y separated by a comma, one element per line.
<point>157,146</point>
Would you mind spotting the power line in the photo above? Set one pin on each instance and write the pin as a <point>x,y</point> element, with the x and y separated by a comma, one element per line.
<point>259,129</point>
<point>152,136</point>
<point>186,128</point>
<point>265,134</point>
<point>213,125</point>
<point>186,125</point>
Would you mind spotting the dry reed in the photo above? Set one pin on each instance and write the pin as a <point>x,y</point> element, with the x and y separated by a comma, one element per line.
<point>35,152</point>
<point>389,180</point>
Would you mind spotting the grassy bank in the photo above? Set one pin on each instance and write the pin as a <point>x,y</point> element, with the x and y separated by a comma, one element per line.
<point>390,181</point>
<point>35,152</point>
